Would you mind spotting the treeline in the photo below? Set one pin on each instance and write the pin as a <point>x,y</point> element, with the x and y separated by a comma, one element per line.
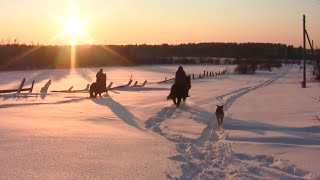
<point>15,57</point>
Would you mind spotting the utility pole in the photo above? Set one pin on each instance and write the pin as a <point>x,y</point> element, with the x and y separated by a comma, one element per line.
<point>313,58</point>
<point>304,82</point>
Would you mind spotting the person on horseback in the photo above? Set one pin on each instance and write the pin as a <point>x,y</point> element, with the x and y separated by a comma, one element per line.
<point>181,79</point>
<point>180,89</point>
<point>99,86</point>
<point>99,77</point>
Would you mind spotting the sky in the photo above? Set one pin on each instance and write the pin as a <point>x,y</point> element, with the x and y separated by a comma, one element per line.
<point>158,21</point>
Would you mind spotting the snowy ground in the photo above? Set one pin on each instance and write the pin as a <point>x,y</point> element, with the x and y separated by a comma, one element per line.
<point>270,130</point>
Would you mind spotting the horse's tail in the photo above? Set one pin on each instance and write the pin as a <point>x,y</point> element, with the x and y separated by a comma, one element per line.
<point>91,90</point>
<point>172,92</point>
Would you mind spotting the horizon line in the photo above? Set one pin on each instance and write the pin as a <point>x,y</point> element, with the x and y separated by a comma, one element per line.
<point>156,44</point>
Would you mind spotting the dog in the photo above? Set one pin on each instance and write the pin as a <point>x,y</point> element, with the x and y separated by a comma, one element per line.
<point>219,115</point>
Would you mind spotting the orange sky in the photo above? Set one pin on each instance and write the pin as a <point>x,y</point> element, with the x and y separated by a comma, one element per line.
<point>160,21</point>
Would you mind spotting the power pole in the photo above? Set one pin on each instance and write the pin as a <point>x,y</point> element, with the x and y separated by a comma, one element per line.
<point>313,58</point>
<point>304,82</point>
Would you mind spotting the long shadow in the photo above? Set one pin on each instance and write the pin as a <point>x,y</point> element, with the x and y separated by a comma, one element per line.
<point>39,104</point>
<point>235,124</point>
<point>280,140</point>
<point>301,134</point>
<point>119,110</point>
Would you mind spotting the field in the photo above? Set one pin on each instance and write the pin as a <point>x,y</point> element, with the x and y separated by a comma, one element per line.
<point>271,129</point>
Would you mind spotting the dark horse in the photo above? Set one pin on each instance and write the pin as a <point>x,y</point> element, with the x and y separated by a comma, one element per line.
<point>98,88</point>
<point>177,93</point>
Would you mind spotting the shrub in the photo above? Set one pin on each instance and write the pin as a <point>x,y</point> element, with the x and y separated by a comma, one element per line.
<point>247,66</point>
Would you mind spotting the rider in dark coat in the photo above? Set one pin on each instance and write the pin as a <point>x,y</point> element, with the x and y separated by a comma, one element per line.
<point>180,86</point>
<point>99,76</point>
<point>181,79</point>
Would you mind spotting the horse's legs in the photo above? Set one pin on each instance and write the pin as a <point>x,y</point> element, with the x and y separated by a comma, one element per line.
<point>220,121</point>
<point>179,101</point>
<point>91,94</point>
<point>186,95</point>
<point>174,101</point>
<point>100,95</point>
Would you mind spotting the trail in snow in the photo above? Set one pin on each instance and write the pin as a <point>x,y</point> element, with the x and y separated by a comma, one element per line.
<point>210,156</point>
<point>234,95</point>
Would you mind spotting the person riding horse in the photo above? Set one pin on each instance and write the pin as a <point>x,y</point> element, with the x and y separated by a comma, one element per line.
<point>180,88</point>
<point>99,86</point>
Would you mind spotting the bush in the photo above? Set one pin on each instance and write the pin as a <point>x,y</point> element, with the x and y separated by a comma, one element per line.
<point>247,67</point>
<point>265,67</point>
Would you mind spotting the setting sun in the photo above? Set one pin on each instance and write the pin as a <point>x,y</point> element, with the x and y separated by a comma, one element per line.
<point>72,27</point>
<point>75,28</point>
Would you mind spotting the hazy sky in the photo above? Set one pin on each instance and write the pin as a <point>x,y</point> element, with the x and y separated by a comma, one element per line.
<point>162,21</point>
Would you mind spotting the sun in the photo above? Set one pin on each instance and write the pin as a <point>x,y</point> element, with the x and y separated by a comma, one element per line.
<point>74,27</point>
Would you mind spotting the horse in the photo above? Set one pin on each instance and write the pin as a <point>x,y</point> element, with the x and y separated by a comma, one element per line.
<point>98,87</point>
<point>179,93</point>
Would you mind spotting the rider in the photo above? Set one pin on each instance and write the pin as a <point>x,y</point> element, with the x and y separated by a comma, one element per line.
<point>99,76</point>
<point>181,79</point>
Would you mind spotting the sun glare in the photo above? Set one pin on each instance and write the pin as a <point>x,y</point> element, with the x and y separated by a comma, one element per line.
<point>74,28</point>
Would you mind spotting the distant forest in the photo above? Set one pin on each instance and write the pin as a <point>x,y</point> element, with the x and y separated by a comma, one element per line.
<point>20,57</point>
